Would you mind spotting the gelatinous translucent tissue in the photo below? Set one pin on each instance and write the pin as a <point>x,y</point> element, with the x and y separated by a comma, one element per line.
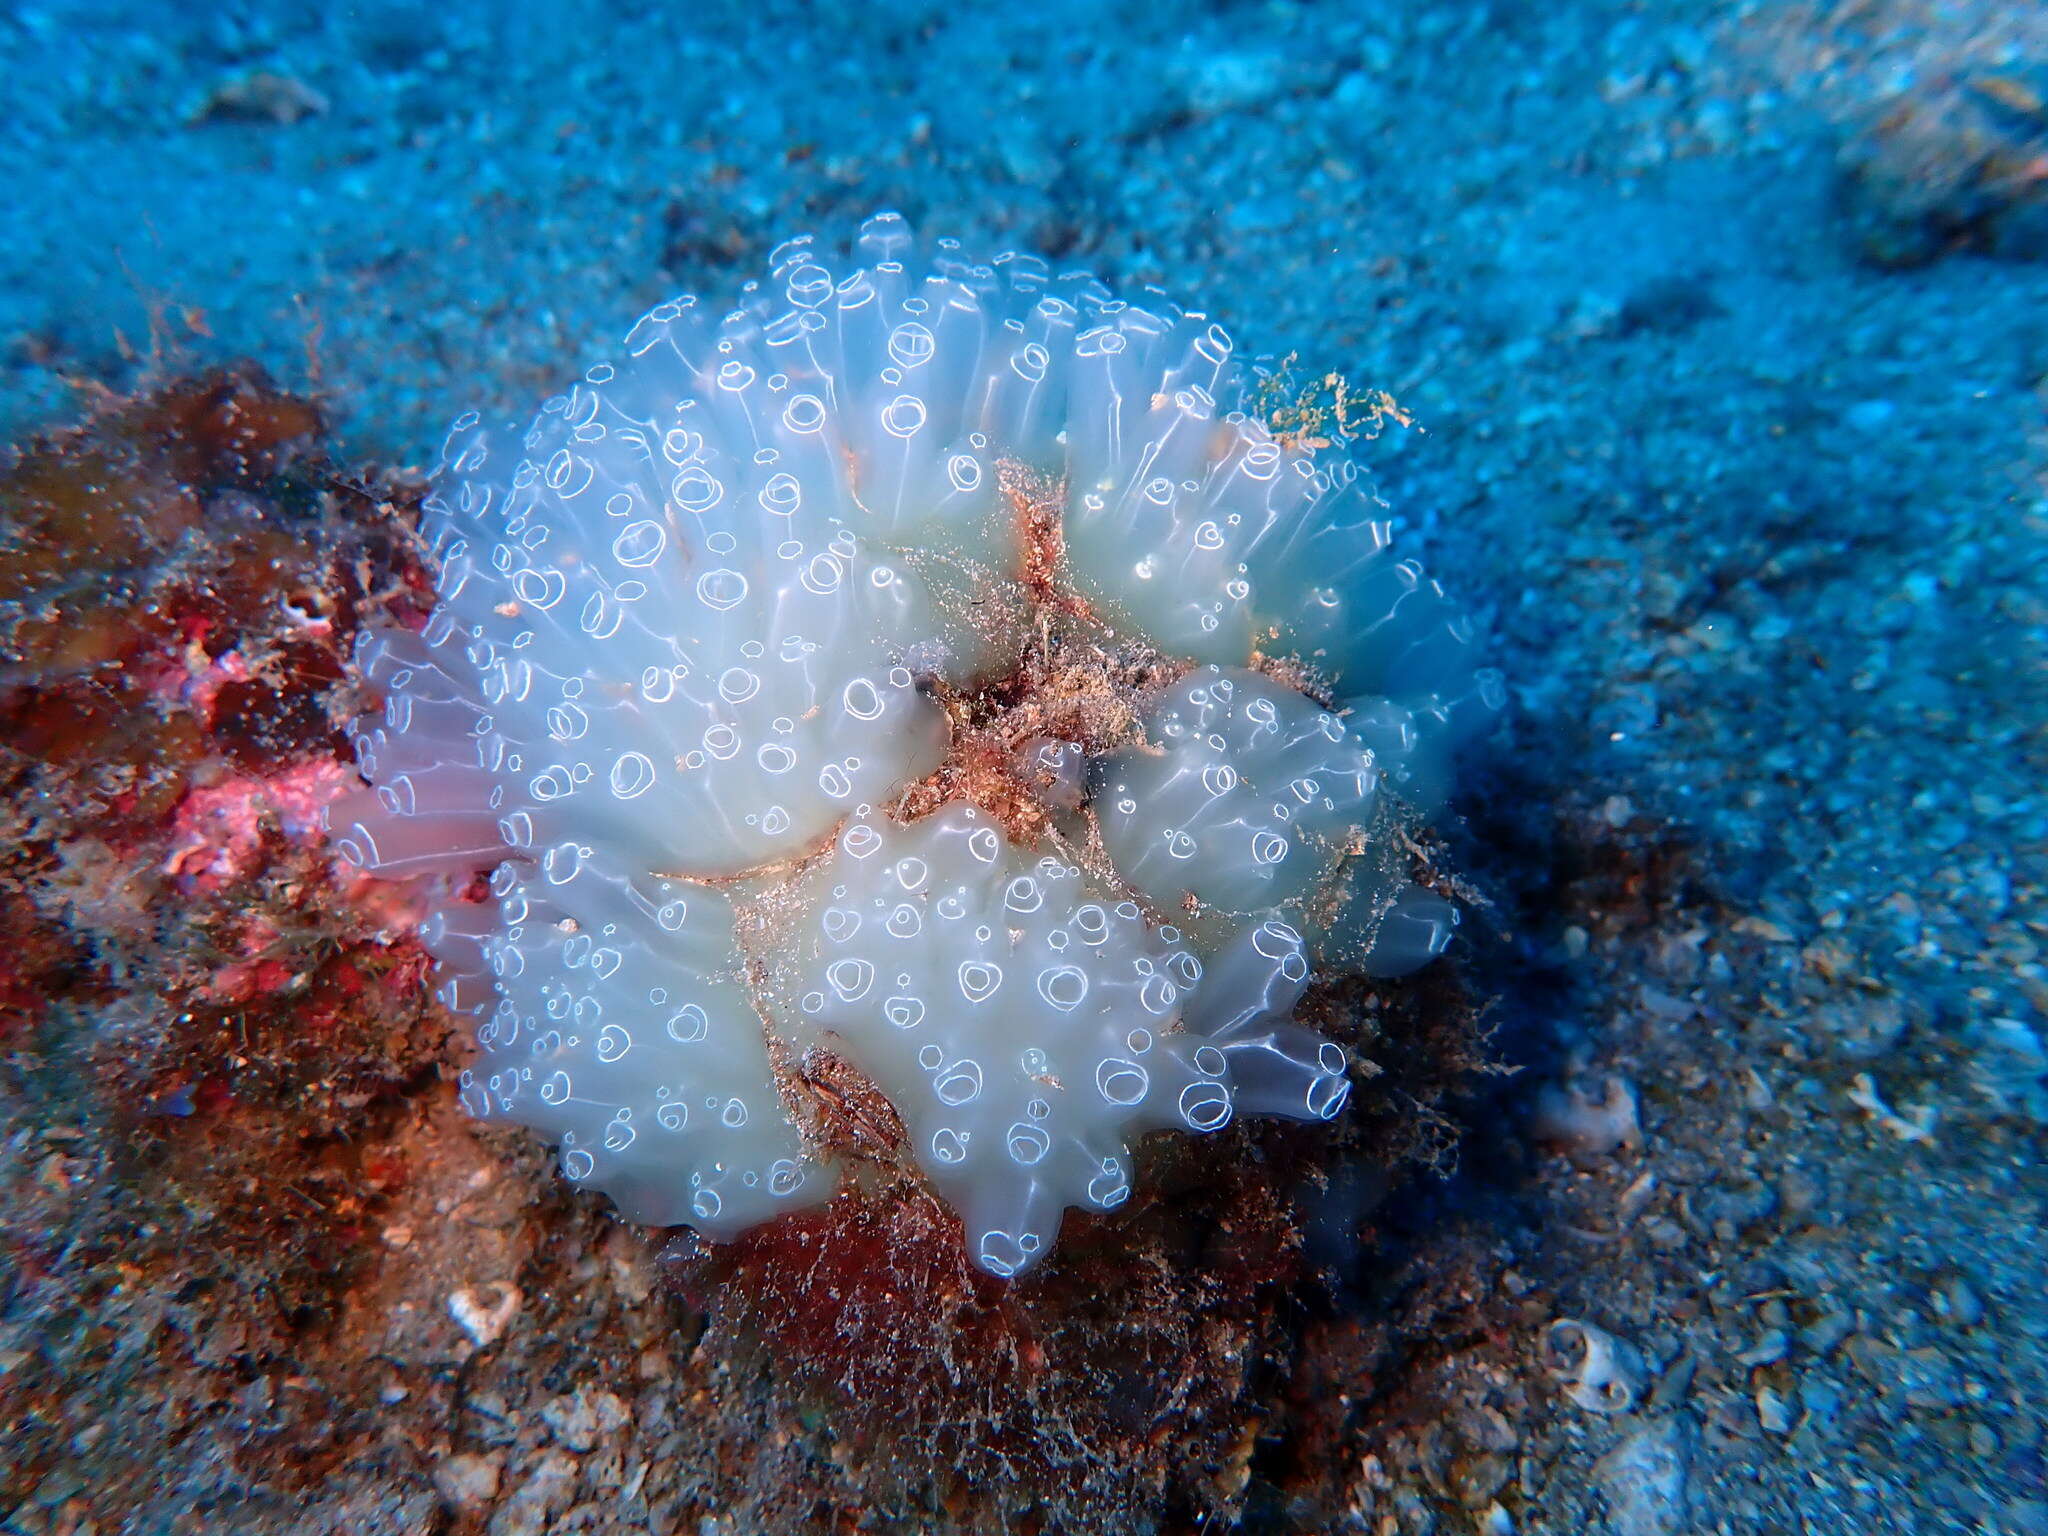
<point>698,631</point>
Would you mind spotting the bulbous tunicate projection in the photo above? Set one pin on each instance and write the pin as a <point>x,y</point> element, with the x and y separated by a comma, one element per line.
<point>1028,1024</point>
<point>702,637</point>
<point>622,1032</point>
<point>678,645</point>
<point>1246,795</point>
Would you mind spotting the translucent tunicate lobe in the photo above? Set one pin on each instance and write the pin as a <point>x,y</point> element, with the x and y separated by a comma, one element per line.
<point>1026,1023</point>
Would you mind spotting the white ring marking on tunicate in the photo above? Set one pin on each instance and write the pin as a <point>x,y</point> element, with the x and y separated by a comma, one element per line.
<point>695,490</point>
<point>736,685</point>
<point>782,494</point>
<point>1326,1095</point>
<point>1205,1106</point>
<point>904,416</point>
<point>911,344</point>
<point>959,1084</point>
<point>1275,939</point>
<point>688,1024</point>
<point>850,978</point>
<point>862,700</point>
<point>569,474</point>
<point>1063,986</point>
<point>1122,1082</point>
<point>612,1043</point>
<point>551,784</point>
<point>979,979</point>
<point>721,589</point>
<point>542,588</point>
<point>657,684</point>
<point>948,1145</point>
<point>822,574</point>
<point>903,1012</point>
<point>1111,1187</point>
<point>640,544</point>
<point>632,775</point>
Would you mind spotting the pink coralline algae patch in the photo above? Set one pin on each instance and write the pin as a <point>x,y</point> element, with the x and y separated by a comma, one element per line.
<point>217,832</point>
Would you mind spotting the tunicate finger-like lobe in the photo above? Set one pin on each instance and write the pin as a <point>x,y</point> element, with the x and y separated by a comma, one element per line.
<point>1026,1024</point>
<point>622,1033</point>
<point>1244,795</point>
<point>693,655</point>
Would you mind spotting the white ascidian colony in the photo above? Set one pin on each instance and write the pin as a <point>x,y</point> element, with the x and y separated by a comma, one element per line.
<point>714,636</point>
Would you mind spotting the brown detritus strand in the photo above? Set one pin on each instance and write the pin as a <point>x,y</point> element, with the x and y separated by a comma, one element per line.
<point>1302,676</point>
<point>1076,680</point>
<point>1062,690</point>
<point>1038,504</point>
<point>840,1110</point>
<point>1313,414</point>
